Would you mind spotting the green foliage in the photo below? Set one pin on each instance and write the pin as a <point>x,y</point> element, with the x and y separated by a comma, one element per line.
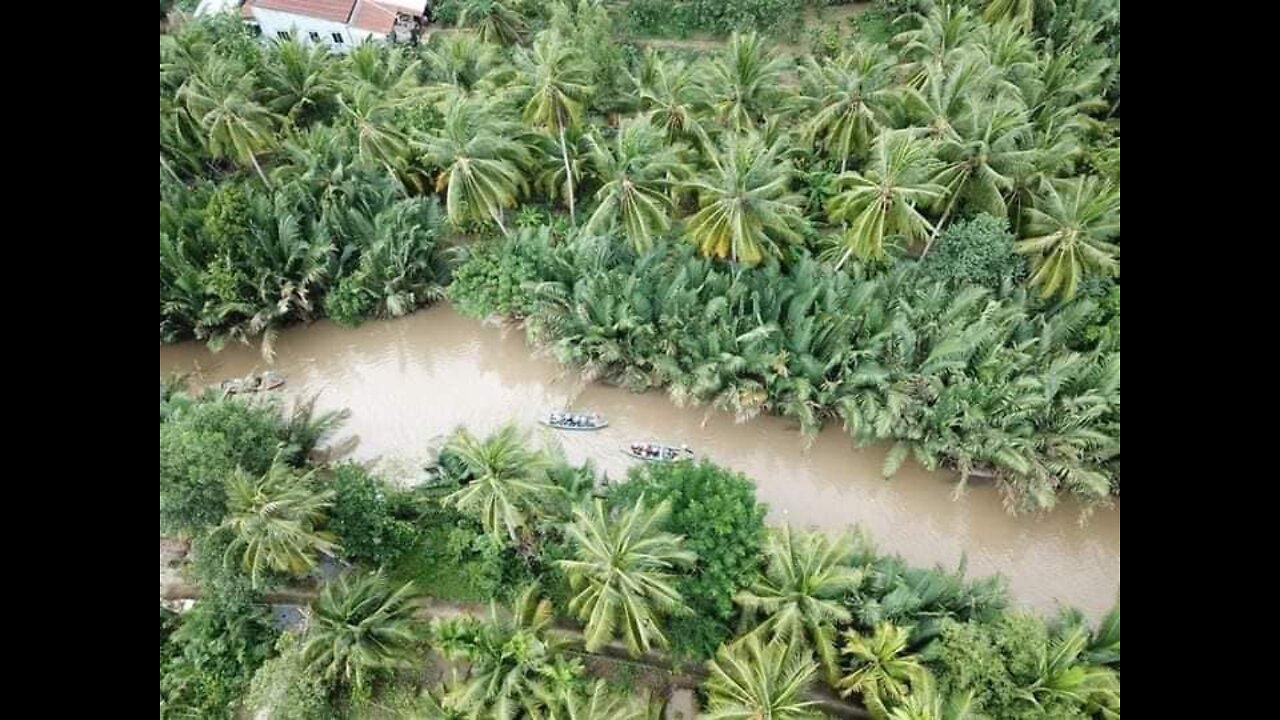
<point>517,667</point>
<point>361,627</point>
<point>721,17</point>
<point>275,522</point>
<point>286,688</point>
<point>217,648</point>
<point>455,560</point>
<point>977,251</point>
<point>1017,667</point>
<point>622,571</point>
<point>493,278</point>
<point>951,373</point>
<point>200,448</point>
<point>717,513</point>
<point>755,679</point>
<point>372,521</point>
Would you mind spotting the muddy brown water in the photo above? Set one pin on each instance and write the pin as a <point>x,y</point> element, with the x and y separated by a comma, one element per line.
<point>407,382</point>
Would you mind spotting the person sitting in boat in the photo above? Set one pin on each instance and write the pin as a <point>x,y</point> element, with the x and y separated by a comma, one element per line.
<point>555,418</point>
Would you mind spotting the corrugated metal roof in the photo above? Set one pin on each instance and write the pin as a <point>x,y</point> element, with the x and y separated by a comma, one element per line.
<point>335,10</point>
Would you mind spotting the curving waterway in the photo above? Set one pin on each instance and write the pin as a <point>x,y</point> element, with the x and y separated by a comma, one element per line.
<point>409,381</point>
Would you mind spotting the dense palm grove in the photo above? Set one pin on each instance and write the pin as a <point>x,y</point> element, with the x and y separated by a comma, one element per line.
<point>918,239</point>
<point>913,233</point>
<point>765,622</point>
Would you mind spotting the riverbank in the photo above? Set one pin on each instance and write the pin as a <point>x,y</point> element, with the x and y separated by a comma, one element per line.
<point>411,380</point>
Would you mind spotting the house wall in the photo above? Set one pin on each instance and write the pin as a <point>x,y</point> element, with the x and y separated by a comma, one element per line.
<point>301,26</point>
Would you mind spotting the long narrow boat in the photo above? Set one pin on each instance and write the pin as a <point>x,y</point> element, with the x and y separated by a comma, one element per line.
<point>574,421</point>
<point>654,452</point>
<point>269,380</point>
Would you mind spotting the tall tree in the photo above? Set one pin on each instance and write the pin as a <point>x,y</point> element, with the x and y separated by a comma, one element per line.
<point>752,679</point>
<point>517,668</point>
<point>554,84</point>
<point>480,158</point>
<point>885,199</point>
<point>635,170</point>
<point>746,81</point>
<point>844,98</point>
<point>360,626</point>
<point>236,127</point>
<point>800,591</point>
<point>883,674</point>
<point>675,97</point>
<point>984,159</point>
<point>274,521</point>
<point>621,573</point>
<point>298,80</point>
<point>494,21</point>
<point>1069,233</point>
<point>506,481</point>
<point>746,206</point>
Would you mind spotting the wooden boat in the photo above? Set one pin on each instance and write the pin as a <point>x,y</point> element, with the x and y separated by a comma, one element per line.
<point>654,452</point>
<point>269,380</point>
<point>574,421</point>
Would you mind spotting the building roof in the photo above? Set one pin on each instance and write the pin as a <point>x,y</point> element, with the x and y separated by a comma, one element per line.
<point>373,16</point>
<point>335,10</point>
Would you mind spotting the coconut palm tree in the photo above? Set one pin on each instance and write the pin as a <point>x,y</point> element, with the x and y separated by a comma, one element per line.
<point>984,159</point>
<point>885,199</point>
<point>378,139</point>
<point>799,593</point>
<point>635,170</point>
<point>882,673</point>
<point>219,100</point>
<point>1019,12</point>
<point>298,80</point>
<point>675,97</point>
<point>1063,673</point>
<point>518,668</point>
<point>391,71</point>
<point>273,521</point>
<point>360,626</point>
<point>753,679</point>
<point>462,61</point>
<point>480,157</point>
<point>927,702</point>
<point>746,207</point>
<point>554,83</point>
<point>1069,232</point>
<point>600,703</point>
<point>845,97</point>
<point>493,21</point>
<point>621,573</point>
<point>947,28</point>
<point>506,481</point>
<point>745,81</point>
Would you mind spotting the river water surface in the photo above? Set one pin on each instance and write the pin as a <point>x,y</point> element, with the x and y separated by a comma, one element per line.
<point>409,381</point>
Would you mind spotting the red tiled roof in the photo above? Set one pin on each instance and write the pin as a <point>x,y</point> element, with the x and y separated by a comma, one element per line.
<point>373,17</point>
<point>335,10</point>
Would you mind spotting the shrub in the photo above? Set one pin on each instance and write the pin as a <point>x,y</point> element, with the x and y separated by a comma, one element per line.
<point>199,449</point>
<point>978,251</point>
<point>717,513</point>
<point>370,519</point>
<point>219,645</point>
<point>286,688</point>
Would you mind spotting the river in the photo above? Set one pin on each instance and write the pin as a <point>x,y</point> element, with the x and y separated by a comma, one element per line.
<point>411,380</point>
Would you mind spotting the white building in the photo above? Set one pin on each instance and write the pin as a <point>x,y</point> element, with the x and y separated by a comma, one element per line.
<point>340,24</point>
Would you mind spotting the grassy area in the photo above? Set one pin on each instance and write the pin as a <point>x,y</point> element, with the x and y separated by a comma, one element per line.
<point>443,569</point>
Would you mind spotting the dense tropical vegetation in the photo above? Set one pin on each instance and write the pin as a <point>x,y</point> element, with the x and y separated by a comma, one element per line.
<point>917,238</point>
<point>677,555</point>
<point>912,231</point>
